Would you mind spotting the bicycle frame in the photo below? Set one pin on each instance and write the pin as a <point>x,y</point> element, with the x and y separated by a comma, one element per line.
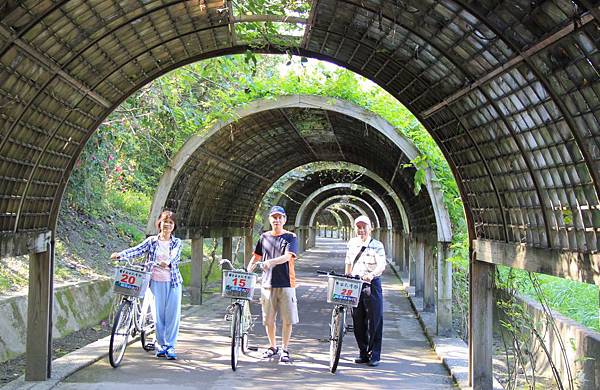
<point>133,315</point>
<point>238,312</point>
<point>342,302</point>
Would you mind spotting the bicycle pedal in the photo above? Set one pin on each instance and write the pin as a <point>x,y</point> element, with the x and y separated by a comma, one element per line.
<point>253,348</point>
<point>228,317</point>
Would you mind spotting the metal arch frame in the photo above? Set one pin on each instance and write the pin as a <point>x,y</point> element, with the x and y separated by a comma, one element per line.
<point>444,232</point>
<point>339,207</point>
<point>355,206</point>
<point>336,216</point>
<point>304,207</point>
<point>378,179</point>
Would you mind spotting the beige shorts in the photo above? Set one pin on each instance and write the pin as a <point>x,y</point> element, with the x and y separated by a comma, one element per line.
<point>280,300</point>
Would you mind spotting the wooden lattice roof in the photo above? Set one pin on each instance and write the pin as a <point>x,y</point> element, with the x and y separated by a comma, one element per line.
<point>508,89</point>
<point>219,187</point>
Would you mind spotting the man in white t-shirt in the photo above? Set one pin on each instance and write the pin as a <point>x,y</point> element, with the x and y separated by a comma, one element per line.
<point>365,258</point>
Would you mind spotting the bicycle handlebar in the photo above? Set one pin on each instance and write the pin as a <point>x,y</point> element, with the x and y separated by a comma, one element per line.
<point>226,265</point>
<point>333,273</point>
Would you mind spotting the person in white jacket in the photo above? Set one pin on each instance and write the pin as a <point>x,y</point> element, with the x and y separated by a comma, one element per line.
<point>365,259</point>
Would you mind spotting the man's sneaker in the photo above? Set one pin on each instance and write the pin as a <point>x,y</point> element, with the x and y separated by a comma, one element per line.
<point>270,352</point>
<point>373,362</point>
<point>285,356</point>
<point>170,352</point>
<point>161,351</point>
<point>361,360</point>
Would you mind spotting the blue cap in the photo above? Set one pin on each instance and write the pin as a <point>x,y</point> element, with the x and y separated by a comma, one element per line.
<point>277,210</point>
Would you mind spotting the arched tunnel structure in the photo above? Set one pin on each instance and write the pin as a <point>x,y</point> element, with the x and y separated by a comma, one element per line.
<point>508,90</point>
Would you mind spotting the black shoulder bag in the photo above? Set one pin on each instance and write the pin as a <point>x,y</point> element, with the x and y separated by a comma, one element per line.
<point>360,253</point>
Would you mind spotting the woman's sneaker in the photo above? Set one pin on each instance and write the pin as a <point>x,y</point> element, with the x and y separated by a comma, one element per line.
<point>170,352</point>
<point>161,351</point>
<point>285,356</point>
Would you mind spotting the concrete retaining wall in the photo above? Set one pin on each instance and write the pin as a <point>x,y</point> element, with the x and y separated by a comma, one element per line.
<point>582,347</point>
<point>76,306</point>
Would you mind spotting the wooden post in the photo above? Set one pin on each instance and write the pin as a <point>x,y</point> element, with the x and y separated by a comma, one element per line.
<point>196,287</point>
<point>38,350</point>
<point>444,283</point>
<point>419,267</point>
<point>480,324</point>
<point>248,246</point>
<point>227,252</point>
<point>428,278</point>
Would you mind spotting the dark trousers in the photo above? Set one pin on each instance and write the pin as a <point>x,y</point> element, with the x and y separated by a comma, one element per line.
<point>368,320</point>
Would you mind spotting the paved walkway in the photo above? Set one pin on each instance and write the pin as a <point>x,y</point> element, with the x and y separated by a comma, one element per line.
<point>408,362</point>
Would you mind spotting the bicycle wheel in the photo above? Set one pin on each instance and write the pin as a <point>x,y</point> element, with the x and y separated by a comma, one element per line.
<point>120,333</point>
<point>337,325</point>
<point>236,320</point>
<point>246,324</point>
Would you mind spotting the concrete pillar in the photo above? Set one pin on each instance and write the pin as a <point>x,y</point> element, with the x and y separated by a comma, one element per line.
<point>444,290</point>
<point>399,250</point>
<point>412,268</point>
<point>428,278</point>
<point>227,248</point>
<point>407,254</point>
<point>481,276</point>
<point>419,267</point>
<point>248,246</point>
<point>38,349</point>
<point>300,232</point>
<point>383,239</point>
<point>196,287</point>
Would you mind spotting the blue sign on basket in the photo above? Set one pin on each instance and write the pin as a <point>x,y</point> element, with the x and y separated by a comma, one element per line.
<point>344,298</point>
<point>127,286</point>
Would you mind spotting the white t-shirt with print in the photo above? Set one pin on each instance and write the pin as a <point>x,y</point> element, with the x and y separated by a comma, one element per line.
<point>372,260</point>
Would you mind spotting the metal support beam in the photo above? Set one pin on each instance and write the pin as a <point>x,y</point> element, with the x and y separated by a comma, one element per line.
<point>516,60</point>
<point>53,67</point>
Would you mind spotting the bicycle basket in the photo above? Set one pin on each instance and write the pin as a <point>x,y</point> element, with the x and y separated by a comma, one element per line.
<point>238,284</point>
<point>131,282</point>
<point>343,291</point>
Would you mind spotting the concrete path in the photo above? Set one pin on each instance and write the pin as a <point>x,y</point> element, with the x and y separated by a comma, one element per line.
<point>408,362</point>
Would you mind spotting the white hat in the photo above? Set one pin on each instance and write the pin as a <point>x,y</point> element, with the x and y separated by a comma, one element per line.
<point>363,219</point>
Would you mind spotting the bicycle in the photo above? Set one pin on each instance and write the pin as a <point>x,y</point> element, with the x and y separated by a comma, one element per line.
<point>344,292</point>
<point>239,286</point>
<point>135,312</point>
